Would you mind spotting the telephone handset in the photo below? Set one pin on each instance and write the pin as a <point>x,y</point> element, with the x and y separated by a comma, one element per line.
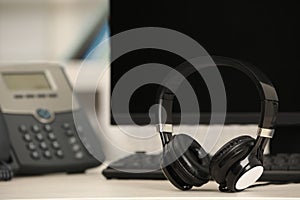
<point>37,130</point>
<point>6,172</point>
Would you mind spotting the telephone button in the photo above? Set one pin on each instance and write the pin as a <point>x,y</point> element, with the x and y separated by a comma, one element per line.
<point>79,155</point>
<point>51,136</point>
<point>43,145</point>
<point>31,146</point>
<point>27,137</point>
<point>52,95</point>
<point>43,113</point>
<point>39,137</point>
<point>69,132</point>
<point>35,128</point>
<point>29,96</point>
<point>65,126</point>
<point>41,95</point>
<point>18,96</point>
<point>47,154</point>
<point>55,145</point>
<point>76,147</point>
<point>23,128</point>
<point>48,128</point>
<point>59,153</point>
<point>72,140</point>
<point>35,155</point>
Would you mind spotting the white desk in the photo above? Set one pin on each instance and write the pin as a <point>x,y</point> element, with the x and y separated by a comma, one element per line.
<point>94,186</point>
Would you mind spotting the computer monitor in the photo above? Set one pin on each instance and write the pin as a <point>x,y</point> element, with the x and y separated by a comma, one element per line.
<point>263,33</point>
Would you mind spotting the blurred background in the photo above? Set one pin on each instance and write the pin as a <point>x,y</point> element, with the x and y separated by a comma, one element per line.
<point>50,29</point>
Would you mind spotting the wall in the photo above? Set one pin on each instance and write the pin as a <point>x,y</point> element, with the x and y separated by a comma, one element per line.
<point>48,29</point>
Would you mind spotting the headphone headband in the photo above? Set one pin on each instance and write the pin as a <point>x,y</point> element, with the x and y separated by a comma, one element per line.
<point>267,93</point>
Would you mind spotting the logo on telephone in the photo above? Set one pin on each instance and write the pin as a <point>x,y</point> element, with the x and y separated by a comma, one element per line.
<point>37,130</point>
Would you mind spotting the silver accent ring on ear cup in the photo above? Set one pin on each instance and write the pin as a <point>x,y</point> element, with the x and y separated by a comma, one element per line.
<point>249,178</point>
<point>265,132</point>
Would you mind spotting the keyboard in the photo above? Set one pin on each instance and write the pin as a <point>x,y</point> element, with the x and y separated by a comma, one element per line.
<point>140,165</point>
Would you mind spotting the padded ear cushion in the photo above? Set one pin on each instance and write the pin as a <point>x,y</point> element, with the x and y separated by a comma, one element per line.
<point>233,151</point>
<point>189,161</point>
<point>171,169</point>
<point>173,177</point>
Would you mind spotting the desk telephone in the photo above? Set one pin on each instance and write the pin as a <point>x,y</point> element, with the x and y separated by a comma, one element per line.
<point>37,130</point>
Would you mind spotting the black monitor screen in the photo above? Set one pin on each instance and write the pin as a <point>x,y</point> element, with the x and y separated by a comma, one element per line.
<point>264,33</point>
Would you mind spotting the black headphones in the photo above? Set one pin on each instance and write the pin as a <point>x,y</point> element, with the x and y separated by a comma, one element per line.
<point>236,165</point>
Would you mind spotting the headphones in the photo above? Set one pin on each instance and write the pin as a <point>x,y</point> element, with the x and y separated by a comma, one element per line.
<point>237,164</point>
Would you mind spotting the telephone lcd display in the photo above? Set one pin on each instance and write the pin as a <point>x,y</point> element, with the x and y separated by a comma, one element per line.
<point>26,81</point>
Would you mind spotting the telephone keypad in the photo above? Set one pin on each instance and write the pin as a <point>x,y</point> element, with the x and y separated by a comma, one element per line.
<point>44,141</point>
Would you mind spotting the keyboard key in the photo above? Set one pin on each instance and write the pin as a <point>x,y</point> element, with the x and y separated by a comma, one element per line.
<point>295,167</point>
<point>279,162</point>
<point>294,162</point>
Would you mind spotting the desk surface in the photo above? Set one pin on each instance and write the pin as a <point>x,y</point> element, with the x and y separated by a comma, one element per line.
<point>93,185</point>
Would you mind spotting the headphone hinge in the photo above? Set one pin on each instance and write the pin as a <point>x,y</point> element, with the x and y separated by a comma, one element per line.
<point>165,128</point>
<point>265,132</point>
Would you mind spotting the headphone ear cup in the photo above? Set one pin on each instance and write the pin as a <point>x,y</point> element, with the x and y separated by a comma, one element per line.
<point>185,162</point>
<point>170,170</point>
<point>230,153</point>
